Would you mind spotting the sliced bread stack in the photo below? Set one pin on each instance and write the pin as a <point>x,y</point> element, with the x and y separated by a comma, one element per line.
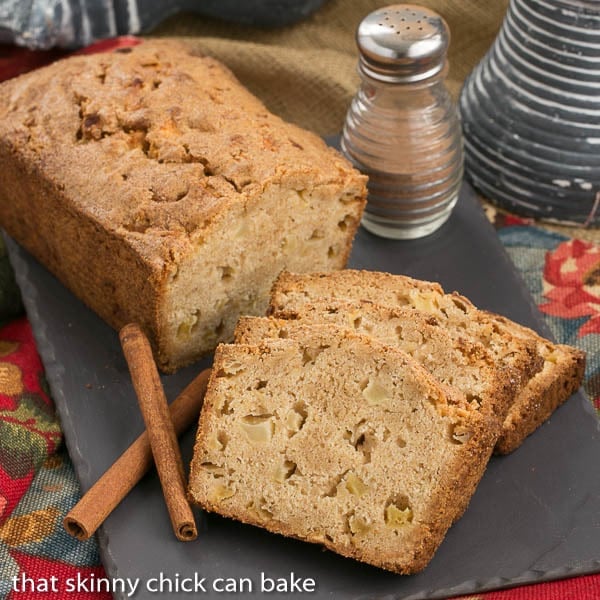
<point>362,413</point>
<point>544,374</point>
<point>334,438</point>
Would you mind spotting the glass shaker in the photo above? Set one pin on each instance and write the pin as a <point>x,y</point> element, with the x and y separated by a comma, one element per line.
<point>402,128</point>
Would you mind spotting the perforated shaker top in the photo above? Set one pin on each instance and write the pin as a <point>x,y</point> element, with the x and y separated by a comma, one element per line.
<point>402,43</point>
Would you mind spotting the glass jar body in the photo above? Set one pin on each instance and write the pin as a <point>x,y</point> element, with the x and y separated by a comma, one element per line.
<point>407,138</point>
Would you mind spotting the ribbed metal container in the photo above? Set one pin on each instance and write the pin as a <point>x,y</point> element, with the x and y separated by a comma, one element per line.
<point>531,112</point>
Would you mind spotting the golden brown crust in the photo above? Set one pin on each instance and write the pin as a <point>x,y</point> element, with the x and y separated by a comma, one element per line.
<point>116,168</point>
<point>231,476</point>
<point>560,377</point>
<point>88,259</point>
<point>177,134</point>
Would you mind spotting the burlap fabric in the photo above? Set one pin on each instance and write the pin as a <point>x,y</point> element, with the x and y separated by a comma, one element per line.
<point>307,72</point>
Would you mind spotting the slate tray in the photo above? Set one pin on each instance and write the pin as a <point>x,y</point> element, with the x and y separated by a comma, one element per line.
<point>534,517</point>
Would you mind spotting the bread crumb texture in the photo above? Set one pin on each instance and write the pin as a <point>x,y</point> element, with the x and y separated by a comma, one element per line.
<point>535,374</point>
<point>334,438</point>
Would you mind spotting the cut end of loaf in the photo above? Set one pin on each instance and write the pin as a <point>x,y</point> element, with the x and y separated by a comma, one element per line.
<point>384,476</point>
<point>231,269</point>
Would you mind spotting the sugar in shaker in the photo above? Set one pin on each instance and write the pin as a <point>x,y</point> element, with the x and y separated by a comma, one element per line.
<point>402,128</point>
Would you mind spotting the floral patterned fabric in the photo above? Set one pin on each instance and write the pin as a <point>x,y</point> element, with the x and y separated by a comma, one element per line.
<point>572,278</point>
<point>563,276</point>
<point>37,482</point>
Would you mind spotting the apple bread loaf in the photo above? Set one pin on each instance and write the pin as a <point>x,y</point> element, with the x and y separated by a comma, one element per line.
<point>161,191</point>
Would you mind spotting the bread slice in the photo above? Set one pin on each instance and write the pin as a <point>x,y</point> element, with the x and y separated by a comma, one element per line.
<point>336,439</point>
<point>464,368</point>
<point>160,191</point>
<point>455,361</point>
<point>517,354</point>
<point>519,348</point>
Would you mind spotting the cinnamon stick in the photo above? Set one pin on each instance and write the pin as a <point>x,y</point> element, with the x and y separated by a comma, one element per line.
<point>104,496</point>
<point>163,439</point>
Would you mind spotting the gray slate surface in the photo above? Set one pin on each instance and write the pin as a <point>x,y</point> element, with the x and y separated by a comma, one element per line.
<point>533,518</point>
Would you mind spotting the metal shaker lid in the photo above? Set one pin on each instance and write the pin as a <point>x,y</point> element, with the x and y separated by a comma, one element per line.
<point>402,43</point>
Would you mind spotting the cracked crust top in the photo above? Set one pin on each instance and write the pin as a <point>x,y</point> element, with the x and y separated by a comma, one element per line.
<point>126,121</point>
